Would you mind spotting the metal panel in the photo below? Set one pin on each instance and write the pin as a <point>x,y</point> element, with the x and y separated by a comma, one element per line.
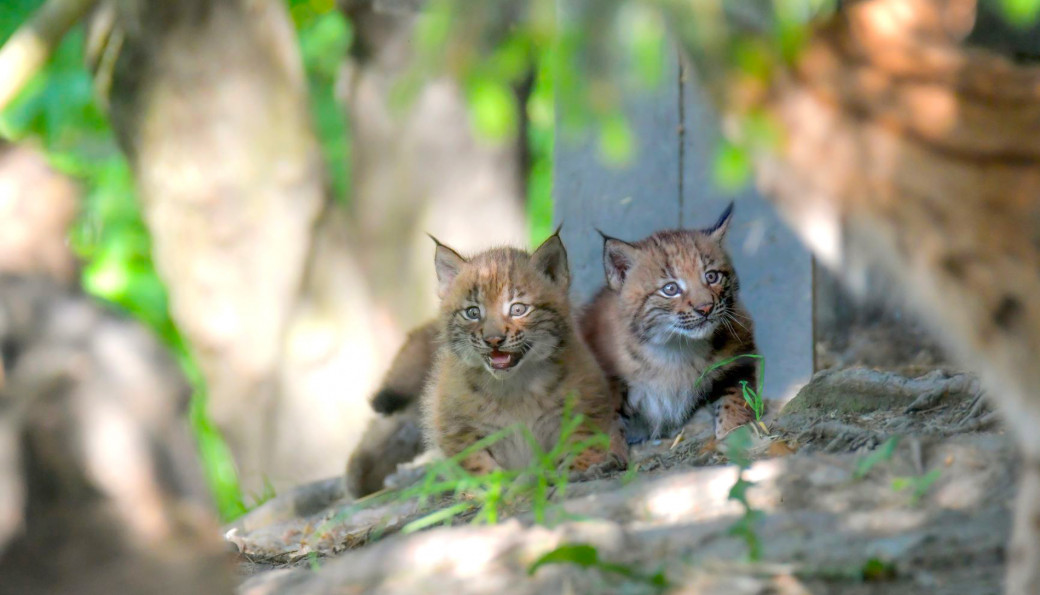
<point>668,184</point>
<point>775,269</point>
<point>628,202</point>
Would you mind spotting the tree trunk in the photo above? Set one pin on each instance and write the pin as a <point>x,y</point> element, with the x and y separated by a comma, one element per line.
<point>208,100</point>
<point>907,152</point>
<point>291,332</point>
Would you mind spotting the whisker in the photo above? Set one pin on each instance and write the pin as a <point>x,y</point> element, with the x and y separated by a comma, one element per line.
<point>737,314</point>
<point>730,316</point>
<point>729,327</point>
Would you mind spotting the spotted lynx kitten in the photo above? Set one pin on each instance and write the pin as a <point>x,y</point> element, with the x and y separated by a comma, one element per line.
<point>669,312</point>
<point>509,354</point>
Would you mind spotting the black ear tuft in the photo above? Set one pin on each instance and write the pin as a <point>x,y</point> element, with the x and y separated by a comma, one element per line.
<point>718,230</point>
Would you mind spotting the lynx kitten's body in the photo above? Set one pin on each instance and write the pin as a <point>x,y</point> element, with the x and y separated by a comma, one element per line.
<point>669,313</point>
<point>510,355</point>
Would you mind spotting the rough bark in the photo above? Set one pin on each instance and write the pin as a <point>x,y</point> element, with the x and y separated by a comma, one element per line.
<point>99,483</point>
<point>907,152</point>
<point>291,332</point>
<point>208,99</point>
<point>37,205</point>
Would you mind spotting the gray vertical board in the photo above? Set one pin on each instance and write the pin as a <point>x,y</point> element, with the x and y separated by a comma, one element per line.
<point>628,201</point>
<point>775,270</point>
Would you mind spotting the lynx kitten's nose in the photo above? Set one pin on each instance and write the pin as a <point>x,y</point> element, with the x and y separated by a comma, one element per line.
<point>704,309</point>
<point>494,340</point>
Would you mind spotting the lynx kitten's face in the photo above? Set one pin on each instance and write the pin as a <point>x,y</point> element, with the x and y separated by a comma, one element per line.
<point>504,309</point>
<point>674,284</point>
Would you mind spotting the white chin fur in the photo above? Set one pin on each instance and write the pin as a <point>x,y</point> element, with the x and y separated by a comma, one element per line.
<point>701,332</point>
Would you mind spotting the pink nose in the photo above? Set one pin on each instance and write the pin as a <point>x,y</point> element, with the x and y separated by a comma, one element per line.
<point>704,309</point>
<point>494,341</point>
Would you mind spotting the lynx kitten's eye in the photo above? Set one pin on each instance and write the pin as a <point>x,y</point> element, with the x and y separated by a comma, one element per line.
<point>712,277</point>
<point>670,289</point>
<point>517,310</point>
<point>471,313</point>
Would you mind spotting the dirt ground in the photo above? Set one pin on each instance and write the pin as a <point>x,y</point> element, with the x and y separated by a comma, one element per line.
<point>932,517</point>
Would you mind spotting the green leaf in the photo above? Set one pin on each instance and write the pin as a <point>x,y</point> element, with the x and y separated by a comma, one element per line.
<point>492,108</point>
<point>648,47</point>
<point>1020,13</point>
<point>615,139</point>
<point>739,490</point>
<point>881,453</point>
<point>444,515</point>
<point>572,553</point>
<point>738,443</point>
<point>919,486</point>
<point>732,167</point>
<point>876,569</point>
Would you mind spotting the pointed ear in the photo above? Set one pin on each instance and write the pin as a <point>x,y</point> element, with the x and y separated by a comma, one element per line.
<point>550,259</point>
<point>718,231</point>
<point>448,263</point>
<point>618,258</point>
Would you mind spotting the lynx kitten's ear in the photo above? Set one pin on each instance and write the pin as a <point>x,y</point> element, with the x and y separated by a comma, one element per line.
<point>448,264</point>
<point>551,260</point>
<point>618,258</point>
<point>718,231</point>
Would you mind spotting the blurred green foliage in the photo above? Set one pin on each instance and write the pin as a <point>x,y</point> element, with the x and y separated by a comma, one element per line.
<point>58,112</point>
<point>325,35</point>
<point>1020,13</point>
<point>541,128</point>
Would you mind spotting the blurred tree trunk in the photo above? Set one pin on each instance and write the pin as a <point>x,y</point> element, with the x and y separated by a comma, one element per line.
<point>208,100</point>
<point>419,169</point>
<point>37,206</point>
<point>291,332</point>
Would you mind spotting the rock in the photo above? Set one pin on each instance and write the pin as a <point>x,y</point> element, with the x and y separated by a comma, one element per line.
<point>860,390</point>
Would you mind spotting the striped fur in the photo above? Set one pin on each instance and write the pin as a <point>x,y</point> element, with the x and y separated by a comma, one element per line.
<point>669,312</point>
<point>540,359</point>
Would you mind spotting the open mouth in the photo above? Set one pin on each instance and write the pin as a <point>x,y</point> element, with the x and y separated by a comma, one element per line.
<point>502,360</point>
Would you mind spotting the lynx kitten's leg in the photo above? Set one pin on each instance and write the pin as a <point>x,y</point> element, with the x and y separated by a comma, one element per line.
<point>615,457</point>
<point>731,412</point>
<point>479,463</point>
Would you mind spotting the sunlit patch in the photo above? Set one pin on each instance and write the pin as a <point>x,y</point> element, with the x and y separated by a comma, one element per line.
<point>462,555</point>
<point>764,471</point>
<point>687,498</point>
<point>821,230</point>
<point>884,521</point>
<point>962,493</point>
<point>888,18</point>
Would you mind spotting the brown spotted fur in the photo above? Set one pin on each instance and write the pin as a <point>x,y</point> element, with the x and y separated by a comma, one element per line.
<point>656,348</point>
<point>467,399</point>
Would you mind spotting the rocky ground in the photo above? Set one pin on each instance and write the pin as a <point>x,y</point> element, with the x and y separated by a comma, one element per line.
<point>867,483</point>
